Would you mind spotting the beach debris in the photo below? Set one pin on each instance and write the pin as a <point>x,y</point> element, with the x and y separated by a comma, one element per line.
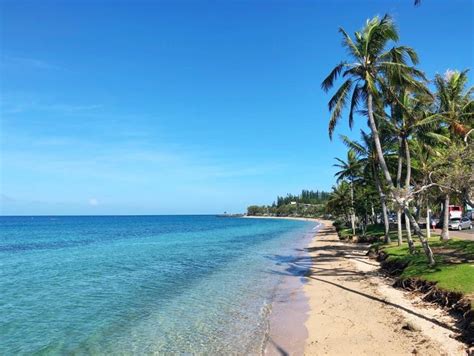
<point>410,326</point>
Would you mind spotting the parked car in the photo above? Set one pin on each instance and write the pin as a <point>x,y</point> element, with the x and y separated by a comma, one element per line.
<point>454,211</point>
<point>460,224</point>
<point>470,215</point>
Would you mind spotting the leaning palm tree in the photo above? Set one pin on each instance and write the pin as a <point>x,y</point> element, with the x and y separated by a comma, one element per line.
<point>365,79</point>
<point>349,170</point>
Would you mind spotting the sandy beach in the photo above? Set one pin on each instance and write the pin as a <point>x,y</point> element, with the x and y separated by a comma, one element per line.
<point>350,309</point>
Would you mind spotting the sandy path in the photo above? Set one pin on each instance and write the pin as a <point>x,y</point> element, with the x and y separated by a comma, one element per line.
<point>354,311</point>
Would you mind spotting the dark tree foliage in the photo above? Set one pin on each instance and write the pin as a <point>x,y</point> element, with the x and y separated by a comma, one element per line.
<point>308,204</point>
<point>306,197</point>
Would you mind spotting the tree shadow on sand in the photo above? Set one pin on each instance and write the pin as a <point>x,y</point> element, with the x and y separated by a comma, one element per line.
<point>304,268</point>
<point>277,347</point>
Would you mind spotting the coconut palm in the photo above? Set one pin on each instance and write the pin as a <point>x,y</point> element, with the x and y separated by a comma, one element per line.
<point>456,106</point>
<point>339,201</point>
<point>366,78</point>
<point>455,102</point>
<point>411,116</point>
<point>364,75</point>
<point>349,170</point>
<point>365,150</point>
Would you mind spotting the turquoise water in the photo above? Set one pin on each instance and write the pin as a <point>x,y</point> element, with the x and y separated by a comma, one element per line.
<point>140,284</point>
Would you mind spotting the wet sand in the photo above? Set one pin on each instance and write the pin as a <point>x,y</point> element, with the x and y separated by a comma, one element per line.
<point>287,330</point>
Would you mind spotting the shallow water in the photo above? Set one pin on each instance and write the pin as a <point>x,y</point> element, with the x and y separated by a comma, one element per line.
<point>137,284</point>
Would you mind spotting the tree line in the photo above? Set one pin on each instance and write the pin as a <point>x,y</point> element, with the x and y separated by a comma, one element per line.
<point>309,204</point>
<point>306,197</point>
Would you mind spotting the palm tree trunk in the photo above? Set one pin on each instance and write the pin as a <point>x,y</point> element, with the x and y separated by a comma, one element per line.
<point>378,145</point>
<point>388,177</point>
<point>408,159</point>
<point>384,205</point>
<point>400,162</point>
<point>423,240</point>
<point>398,182</point>
<point>352,209</point>
<point>386,223</point>
<point>445,232</point>
<point>411,244</point>
<point>399,227</point>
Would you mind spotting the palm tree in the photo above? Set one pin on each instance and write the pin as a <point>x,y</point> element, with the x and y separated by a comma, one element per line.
<point>368,159</point>
<point>349,170</point>
<point>412,116</point>
<point>339,200</point>
<point>423,165</point>
<point>456,106</point>
<point>455,101</point>
<point>365,77</point>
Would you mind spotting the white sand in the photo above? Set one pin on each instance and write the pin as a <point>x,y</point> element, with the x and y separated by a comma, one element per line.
<point>355,311</point>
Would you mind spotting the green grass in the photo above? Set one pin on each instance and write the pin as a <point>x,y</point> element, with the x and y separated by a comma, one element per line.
<point>345,233</point>
<point>454,269</point>
<point>372,233</point>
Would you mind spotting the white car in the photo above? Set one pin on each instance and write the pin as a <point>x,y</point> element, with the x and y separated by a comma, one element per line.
<point>460,223</point>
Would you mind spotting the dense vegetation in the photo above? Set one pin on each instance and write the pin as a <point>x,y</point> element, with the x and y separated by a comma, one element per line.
<point>307,204</point>
<point>418,151</point>
<point>417,155</point>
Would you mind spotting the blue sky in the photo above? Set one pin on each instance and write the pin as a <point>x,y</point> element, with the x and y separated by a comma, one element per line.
<point>179,107</point>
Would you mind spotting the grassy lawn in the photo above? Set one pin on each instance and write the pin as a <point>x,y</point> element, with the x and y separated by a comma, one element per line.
<point>454,269</point>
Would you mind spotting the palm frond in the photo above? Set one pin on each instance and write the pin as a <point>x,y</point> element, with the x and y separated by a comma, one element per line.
<point>328,83</point>
<point>356,94</point>
<point>354,145</point>
<point>337,104</point>
<point>349,44</point>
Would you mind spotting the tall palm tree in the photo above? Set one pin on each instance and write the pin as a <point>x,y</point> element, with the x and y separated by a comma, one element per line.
<point>455,104</point>
<point>365,150</point>
<point>424,159</point>
<point>365,77</point>
<point>411,116</point>
<point>349,170</point>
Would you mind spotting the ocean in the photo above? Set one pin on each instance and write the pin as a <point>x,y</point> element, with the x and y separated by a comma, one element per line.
<point>142,284</point>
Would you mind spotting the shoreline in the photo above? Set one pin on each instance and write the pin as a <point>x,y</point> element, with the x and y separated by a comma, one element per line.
<point>350,308</point>
<point>287,331</point>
